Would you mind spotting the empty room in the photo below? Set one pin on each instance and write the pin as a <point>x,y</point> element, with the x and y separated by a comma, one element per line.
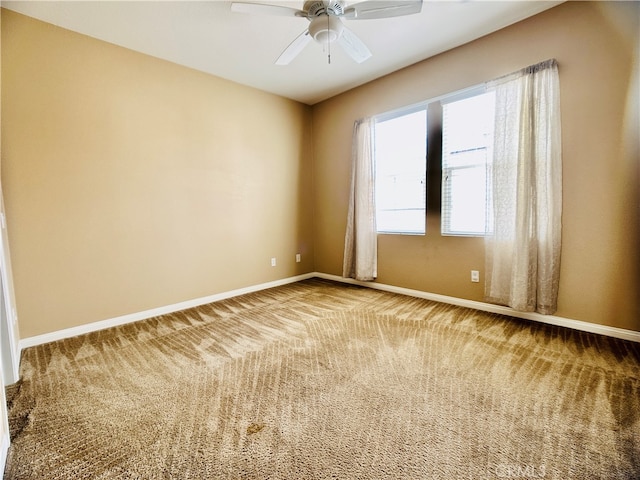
<point>320,239</point>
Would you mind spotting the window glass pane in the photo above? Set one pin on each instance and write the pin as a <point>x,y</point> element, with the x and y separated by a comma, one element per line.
<point>400,155</point>
<point>468,197</point>
<point>467,141</point>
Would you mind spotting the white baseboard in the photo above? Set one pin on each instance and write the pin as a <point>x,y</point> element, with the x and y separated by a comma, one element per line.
<point>615,332</point>
<point>154,312</point>
<point>487,307</point>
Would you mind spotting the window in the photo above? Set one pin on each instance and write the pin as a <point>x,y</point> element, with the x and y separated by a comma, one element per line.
<point>467,144</point>
<point>401,172</point>
<point>460,141</point>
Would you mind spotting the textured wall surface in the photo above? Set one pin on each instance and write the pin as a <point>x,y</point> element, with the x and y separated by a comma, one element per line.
<point>132,183</point>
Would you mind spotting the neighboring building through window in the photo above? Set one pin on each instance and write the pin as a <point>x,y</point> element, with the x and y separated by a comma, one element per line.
<point>401,172</point>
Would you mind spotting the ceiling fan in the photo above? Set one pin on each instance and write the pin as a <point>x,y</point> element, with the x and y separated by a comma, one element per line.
<point>326,24</point>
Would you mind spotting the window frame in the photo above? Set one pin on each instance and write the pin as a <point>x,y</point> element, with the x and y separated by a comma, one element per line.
<point>456,95</point>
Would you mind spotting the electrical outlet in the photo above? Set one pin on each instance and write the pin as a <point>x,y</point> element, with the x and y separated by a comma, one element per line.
<point>475,276</point>
<point>273,261</point>
<point>298,258</point>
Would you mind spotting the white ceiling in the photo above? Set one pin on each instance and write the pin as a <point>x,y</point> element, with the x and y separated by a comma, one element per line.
<point>207,36</point>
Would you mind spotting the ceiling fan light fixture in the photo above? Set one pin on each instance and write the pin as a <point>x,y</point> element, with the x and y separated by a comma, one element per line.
<point>326,28</point>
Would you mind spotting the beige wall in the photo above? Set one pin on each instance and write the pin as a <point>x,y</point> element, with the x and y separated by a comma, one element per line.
<point>132,183</point>
<point>594,44</point>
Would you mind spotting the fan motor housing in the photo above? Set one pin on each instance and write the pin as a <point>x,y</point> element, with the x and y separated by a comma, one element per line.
<point>316,8</point>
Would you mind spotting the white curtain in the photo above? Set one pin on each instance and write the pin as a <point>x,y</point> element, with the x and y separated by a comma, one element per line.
<point>523,251</point>
<point>361,243</point>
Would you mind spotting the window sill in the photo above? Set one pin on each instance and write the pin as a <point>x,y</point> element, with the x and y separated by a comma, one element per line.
<point>412,234</point>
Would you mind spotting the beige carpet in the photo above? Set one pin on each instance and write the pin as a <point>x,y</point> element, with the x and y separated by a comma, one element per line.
<point>317,380</point>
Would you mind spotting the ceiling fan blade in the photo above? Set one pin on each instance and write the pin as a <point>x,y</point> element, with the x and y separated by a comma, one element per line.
<point>353,46</point>
<point>262,9</point>
<point>371,9</point>
<point>294,48</point>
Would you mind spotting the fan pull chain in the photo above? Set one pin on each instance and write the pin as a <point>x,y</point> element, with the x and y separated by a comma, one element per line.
<point>329,41</point>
